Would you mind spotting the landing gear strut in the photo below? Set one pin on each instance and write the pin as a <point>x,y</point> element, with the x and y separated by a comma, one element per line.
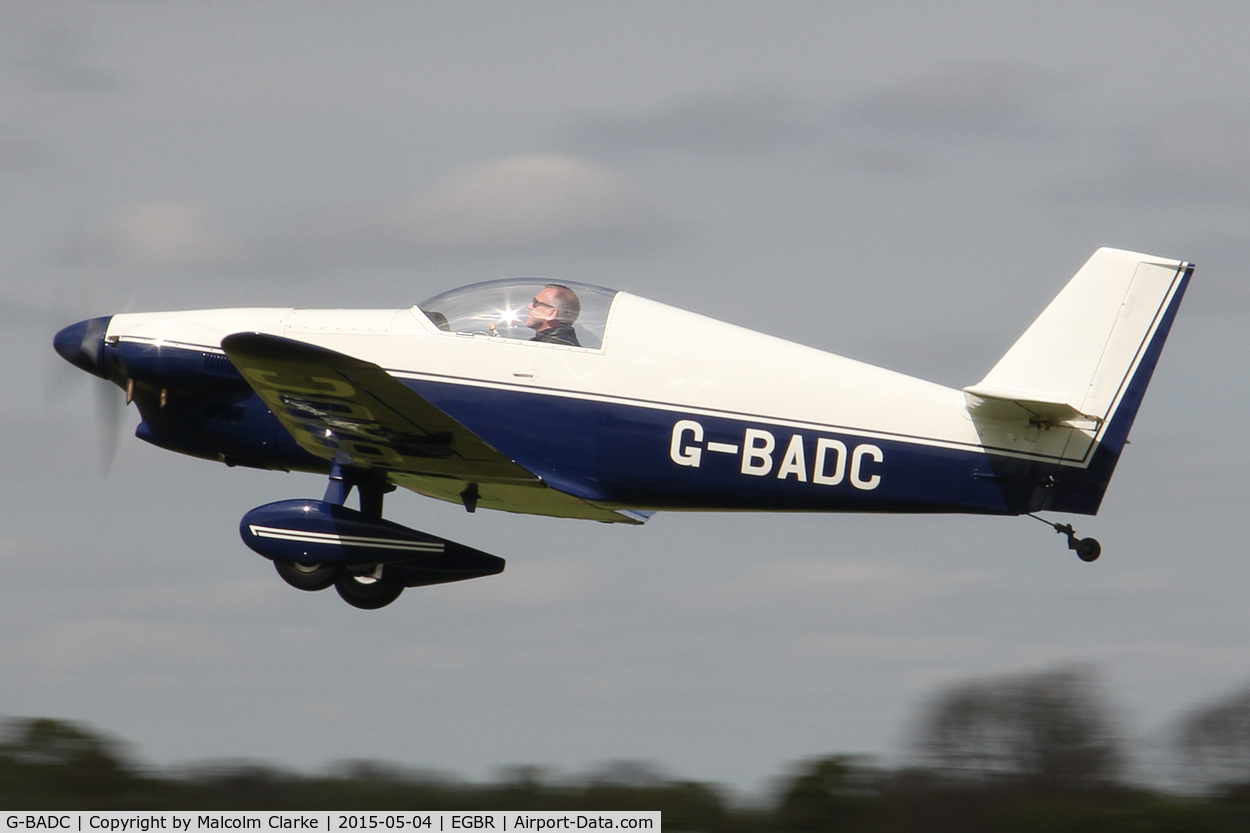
<point>1087,549</point>
<point>372,590</point>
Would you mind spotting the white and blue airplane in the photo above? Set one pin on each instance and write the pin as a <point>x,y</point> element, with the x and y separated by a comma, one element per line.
<point>576,401</point>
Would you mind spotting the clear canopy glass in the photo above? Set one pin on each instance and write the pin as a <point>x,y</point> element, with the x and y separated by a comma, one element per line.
<point>528,309</point>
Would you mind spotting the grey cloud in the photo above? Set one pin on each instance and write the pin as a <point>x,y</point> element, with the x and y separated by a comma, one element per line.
<point>16,312</point>
<point>1199,153</point>
<point>950,357</point>
<point>534,203</point>
<point>879,131</point>
<point>519,201</point>
<point>170,251</point>
<point>969,102</point>
<point>910,128</point>
<point>724,123</point>
<point>52,58</point>
<point>159,237</point>
<point>18,151</point>
<point>537,203</point>
<point>520,214</point>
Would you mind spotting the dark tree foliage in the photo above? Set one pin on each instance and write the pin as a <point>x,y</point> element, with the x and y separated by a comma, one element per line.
<point>1048,731</point>
<point>44,760</point>
<point>1214,742</point>
<point>829,794</point>
<point>56,765</point>
<point>1027,754</point>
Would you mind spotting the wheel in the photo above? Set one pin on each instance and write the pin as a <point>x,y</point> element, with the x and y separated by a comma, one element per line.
<point>367,592</point>
<point>1088,549</point>
<point>308,576</point>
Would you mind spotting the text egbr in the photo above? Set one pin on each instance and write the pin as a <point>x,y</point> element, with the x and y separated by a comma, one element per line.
<point>761,455</point>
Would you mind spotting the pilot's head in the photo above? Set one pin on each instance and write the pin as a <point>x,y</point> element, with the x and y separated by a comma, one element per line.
<point>555,304</point>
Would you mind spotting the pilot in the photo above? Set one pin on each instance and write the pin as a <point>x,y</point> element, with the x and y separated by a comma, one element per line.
<point>552,313</point>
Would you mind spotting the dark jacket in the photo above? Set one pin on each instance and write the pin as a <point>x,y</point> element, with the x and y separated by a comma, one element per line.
<point>559,334</point>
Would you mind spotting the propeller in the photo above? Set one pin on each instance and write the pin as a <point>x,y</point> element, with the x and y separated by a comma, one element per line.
<point>110,405</point>
<point>82,345</point>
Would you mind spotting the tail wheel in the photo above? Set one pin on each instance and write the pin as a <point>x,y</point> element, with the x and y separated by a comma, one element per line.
<point>367,592</point>
<point>308,576</point>
<point>1088,549</point>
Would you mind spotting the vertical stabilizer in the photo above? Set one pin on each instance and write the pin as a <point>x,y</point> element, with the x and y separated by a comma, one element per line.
<point>1079,372</point>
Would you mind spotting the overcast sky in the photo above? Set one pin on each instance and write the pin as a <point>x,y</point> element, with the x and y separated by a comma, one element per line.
<point>904,183</point>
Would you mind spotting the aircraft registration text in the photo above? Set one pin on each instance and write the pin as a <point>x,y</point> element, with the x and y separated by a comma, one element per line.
<point>832,463</point>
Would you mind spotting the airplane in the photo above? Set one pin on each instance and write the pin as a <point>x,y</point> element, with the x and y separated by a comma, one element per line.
<point>576,401</point>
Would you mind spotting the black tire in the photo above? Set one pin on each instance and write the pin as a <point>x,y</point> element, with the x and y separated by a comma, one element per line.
<point>1088,549</point>
<point>308,576</point>
<point>366,592</point>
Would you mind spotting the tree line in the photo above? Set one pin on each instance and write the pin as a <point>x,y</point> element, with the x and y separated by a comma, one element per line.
<point>1032,752</point>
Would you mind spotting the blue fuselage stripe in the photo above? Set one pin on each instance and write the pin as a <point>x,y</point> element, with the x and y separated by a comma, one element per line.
<point>626,454</point>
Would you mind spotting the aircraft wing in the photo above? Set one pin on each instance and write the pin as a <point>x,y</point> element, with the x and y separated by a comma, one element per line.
<point>354,413</point>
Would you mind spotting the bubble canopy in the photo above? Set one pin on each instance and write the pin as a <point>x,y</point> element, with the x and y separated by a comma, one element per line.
<point>502,309</point>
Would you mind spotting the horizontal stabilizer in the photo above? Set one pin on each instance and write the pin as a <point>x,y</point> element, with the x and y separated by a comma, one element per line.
<point>998,403</point>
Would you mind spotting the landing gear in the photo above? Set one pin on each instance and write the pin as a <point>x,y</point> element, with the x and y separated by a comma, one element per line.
<point>308,576</point>
<point>314,544</point>
<point>1087,549</point>
<point>368,592</point>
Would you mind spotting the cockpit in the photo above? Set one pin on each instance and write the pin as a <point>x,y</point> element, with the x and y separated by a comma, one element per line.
<point>526,309</point>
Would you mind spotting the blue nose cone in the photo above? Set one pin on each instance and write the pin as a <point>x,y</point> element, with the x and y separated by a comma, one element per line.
<point>82,345</point>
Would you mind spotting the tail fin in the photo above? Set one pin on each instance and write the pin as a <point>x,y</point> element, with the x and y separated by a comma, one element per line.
<point>1080,370</point>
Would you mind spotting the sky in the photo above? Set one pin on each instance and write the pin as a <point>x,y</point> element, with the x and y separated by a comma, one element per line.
<point>906,184</point>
